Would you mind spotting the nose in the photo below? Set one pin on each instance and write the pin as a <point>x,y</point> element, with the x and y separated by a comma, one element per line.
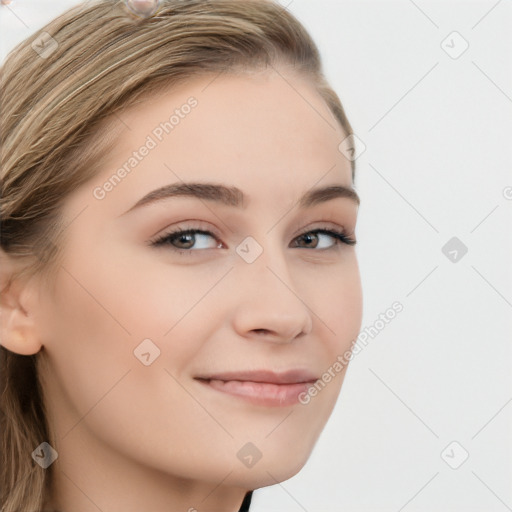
<point>268,305</point>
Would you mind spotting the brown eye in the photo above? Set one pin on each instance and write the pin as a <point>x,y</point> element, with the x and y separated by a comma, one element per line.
<point>313,238</point>
<point>188,239</point>
<point>309,239</point>
<point>184,240</point>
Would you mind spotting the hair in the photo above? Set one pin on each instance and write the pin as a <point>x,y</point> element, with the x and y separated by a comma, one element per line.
<point>59,119</point>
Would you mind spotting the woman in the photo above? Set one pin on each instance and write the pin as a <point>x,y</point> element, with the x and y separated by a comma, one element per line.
<point>179,274</point>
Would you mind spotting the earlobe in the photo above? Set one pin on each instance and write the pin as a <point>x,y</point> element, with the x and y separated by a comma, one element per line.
<point>18,332</point>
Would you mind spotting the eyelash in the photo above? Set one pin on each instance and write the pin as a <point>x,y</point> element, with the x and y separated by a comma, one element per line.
<point>340,236</point>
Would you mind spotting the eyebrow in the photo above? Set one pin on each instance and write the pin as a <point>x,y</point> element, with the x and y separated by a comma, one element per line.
<point>233,196</point>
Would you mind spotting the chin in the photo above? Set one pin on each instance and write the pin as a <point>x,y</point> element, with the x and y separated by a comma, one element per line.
<point>274,470</point>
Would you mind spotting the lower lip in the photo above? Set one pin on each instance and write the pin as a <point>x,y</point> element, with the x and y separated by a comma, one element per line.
<point>261,393</point>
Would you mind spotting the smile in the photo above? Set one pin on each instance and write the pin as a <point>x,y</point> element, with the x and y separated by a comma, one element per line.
<point>262,388</point>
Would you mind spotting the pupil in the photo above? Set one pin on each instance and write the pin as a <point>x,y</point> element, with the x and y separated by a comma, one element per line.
<point>308,238</point>
<point>186,239</point>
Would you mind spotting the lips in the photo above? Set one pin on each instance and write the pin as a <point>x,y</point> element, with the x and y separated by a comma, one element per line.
<point>261,387</point>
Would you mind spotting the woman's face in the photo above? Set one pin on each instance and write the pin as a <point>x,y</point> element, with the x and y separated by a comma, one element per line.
<point>138,321</point>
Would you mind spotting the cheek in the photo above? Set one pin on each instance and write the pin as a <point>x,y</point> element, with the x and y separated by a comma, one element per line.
<point>98,384</point>
<point>349,310</point>
<point>337,305</point>
<point>87,342</point>
<point>104,307</point>
<point>124,293</point>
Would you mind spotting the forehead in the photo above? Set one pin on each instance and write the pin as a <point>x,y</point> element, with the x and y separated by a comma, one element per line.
<point>260,131</point>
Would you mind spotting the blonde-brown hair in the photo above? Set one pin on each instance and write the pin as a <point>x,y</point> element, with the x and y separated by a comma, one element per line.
<point>59,118</point>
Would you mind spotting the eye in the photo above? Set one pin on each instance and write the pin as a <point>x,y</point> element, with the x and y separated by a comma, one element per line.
<point>184,240</point>
<point>317,234</point>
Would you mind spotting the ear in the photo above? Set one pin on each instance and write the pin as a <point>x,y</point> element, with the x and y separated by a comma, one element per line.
<point>18,331</point>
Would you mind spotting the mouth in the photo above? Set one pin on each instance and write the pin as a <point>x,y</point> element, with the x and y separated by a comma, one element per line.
<point>262,387</point>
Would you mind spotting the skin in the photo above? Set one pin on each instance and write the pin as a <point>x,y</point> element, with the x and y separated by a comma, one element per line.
<point>132,437</point>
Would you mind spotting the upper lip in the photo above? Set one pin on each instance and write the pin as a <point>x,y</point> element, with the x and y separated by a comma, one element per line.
<point>293,376</point>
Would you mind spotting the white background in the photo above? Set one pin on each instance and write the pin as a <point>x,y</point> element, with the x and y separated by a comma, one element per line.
<point>437,165</point>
